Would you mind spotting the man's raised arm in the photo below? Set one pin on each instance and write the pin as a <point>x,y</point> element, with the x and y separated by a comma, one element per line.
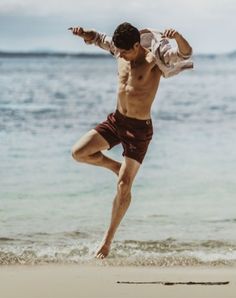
<point>96,38</point>
<point>184,49</point>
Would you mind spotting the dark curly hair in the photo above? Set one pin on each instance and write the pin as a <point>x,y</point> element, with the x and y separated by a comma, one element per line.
<point>125,36</point>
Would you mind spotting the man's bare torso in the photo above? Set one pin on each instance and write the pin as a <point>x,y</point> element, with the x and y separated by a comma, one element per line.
<point>138,83</point>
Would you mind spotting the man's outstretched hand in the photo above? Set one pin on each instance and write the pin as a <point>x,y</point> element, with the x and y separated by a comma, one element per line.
<point>77,31</point>
<point>87,35</point>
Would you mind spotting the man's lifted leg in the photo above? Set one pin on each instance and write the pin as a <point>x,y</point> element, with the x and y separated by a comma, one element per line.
<point>88,150</point>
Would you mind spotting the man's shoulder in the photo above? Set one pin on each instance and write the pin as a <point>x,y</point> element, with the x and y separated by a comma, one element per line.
<point>150,57</point>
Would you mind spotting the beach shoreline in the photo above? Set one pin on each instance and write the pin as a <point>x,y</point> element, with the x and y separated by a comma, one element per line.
<point>57,280</point>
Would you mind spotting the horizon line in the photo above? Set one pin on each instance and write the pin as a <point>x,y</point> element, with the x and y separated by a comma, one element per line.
<point>88,54</point>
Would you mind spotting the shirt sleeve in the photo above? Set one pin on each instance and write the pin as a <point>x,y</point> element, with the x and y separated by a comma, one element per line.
<point>104,42</point>
<point>170,55</point>
<point>168,58</point>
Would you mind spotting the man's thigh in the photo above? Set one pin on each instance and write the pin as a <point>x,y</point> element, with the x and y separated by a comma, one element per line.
<point>90,143</point>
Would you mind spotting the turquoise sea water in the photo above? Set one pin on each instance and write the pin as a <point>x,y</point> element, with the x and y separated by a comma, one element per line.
<point>52,209</point>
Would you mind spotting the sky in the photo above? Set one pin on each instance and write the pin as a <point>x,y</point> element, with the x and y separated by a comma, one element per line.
<point>29,25</point>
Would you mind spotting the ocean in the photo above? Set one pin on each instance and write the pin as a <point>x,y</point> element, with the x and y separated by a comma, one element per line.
<point>55,210</point>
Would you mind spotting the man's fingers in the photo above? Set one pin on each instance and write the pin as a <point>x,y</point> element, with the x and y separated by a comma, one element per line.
<point>169,33</point>
<point>76,30</point>
<point>172,33</point>
<point>166,32</point>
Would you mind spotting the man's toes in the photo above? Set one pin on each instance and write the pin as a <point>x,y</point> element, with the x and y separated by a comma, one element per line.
<point>99,255</point>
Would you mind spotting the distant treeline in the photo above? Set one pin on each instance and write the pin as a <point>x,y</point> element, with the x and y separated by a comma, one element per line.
<point>51,54</point>
<point>5,54</point>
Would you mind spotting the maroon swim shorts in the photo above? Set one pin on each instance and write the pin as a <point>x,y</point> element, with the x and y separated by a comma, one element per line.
<point>134,134</point>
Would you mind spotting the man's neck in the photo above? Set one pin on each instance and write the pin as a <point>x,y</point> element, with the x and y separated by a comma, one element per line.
<point>140,56</point>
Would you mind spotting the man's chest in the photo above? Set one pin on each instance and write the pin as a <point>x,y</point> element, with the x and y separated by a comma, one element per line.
<point>136,76</point>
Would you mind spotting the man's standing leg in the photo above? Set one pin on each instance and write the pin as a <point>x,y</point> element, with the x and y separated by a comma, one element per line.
<point>128,171</point>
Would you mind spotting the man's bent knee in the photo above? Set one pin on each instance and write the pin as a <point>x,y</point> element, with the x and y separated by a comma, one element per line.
<point>88,145</point>
<point>78,155</point>
<point>124,187</point>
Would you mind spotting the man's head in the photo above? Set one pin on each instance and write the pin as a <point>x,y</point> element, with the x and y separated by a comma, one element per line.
<point>127,39</point>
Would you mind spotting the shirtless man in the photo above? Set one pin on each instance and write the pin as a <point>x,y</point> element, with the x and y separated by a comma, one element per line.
<point>130,124</point>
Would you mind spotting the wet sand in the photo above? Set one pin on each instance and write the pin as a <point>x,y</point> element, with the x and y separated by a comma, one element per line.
<point>70,281</point>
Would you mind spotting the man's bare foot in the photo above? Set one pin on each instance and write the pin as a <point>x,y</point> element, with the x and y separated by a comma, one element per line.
<point>103,251</point>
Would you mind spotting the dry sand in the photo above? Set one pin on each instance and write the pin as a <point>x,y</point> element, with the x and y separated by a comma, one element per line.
<point>70,281</point>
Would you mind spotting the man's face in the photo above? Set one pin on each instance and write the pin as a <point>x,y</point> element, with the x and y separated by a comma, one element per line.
<point>130,54</point>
